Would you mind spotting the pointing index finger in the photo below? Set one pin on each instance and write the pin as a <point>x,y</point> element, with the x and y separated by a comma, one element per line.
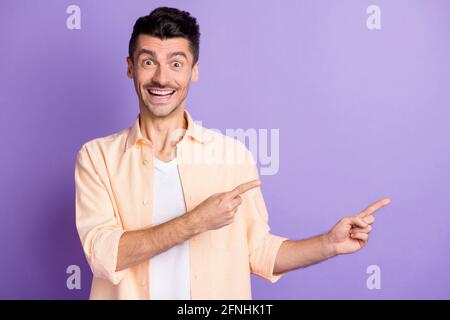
<point>374,207</point>
<point>244,187</point>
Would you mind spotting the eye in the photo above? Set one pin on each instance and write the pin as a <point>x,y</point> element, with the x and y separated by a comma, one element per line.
<point>148,62</point>
<point>177,64</point>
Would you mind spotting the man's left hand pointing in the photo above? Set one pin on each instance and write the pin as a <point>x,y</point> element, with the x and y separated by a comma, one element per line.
<point>352,233</point>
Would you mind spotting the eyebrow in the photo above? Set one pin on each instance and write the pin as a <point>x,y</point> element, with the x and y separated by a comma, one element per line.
<point>170,55</point>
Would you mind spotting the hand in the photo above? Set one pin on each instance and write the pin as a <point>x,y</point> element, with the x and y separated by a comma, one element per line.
<point>219,209</point>
<point>352,233</point>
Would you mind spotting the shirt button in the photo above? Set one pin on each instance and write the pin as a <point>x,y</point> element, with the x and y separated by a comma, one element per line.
<point>145,202</point>
<point>145,162</point>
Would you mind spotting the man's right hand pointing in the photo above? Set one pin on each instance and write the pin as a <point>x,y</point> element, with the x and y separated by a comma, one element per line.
<point>219,209</point>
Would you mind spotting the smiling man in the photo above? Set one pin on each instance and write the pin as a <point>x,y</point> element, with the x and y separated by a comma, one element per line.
<point>168,209</point>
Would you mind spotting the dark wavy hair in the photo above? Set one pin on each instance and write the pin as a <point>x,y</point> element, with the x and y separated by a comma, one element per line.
<point>165,23</point>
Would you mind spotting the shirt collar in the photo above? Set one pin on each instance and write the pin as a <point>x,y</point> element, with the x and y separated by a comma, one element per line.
<point>194,131</point>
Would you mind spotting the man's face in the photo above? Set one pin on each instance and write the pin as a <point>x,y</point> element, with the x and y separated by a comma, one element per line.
<point>162,71</point>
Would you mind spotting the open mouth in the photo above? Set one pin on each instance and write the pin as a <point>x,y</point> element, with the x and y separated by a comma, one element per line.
<point>161,92</point>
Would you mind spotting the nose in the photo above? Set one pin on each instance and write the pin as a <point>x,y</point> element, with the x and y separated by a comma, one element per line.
<point>160,76</point>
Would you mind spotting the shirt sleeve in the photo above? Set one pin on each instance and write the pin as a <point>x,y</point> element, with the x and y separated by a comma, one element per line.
<point>263,246</point>
<point>98,226</point>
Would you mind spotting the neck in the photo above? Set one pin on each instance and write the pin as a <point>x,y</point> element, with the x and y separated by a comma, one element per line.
<point>163,132</point>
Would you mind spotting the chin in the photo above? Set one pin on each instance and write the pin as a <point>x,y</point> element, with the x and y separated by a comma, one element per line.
<point>160,111</point>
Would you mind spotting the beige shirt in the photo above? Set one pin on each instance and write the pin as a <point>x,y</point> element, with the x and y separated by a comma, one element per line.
<point>114,190</point>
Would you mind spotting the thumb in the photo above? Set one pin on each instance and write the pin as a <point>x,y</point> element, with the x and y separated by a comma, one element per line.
<point>357,221</point>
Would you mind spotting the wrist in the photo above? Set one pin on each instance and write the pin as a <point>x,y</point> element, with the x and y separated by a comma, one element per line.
<point>329,246</point>
<point>193,224</point>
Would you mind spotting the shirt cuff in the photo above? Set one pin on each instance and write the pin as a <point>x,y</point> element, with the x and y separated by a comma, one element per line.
<point>104,255</point>
<point>262,260</point>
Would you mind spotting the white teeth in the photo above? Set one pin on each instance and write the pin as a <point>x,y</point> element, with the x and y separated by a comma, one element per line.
<point>161,92</point>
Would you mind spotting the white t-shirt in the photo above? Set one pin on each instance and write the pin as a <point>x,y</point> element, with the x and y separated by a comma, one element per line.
<point>169,271</point>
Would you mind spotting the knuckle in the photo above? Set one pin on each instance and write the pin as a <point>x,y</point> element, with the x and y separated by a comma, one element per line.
<point>216,195</point>
<point>369,219</point>
<point>229,207</point>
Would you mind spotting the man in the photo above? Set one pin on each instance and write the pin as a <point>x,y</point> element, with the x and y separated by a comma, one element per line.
<point>168,209</point>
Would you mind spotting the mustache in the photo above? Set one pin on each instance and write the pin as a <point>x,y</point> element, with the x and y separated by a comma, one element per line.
<point>155,85</point>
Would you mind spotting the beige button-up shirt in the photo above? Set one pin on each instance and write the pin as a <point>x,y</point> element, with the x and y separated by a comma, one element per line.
<point>114,190</point>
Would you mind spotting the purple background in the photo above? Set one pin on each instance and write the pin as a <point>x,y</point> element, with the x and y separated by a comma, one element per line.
<point>362,115</point>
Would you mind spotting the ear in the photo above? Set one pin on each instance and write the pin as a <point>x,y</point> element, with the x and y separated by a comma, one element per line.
<point>129,68</point>
<point>194,75</point>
